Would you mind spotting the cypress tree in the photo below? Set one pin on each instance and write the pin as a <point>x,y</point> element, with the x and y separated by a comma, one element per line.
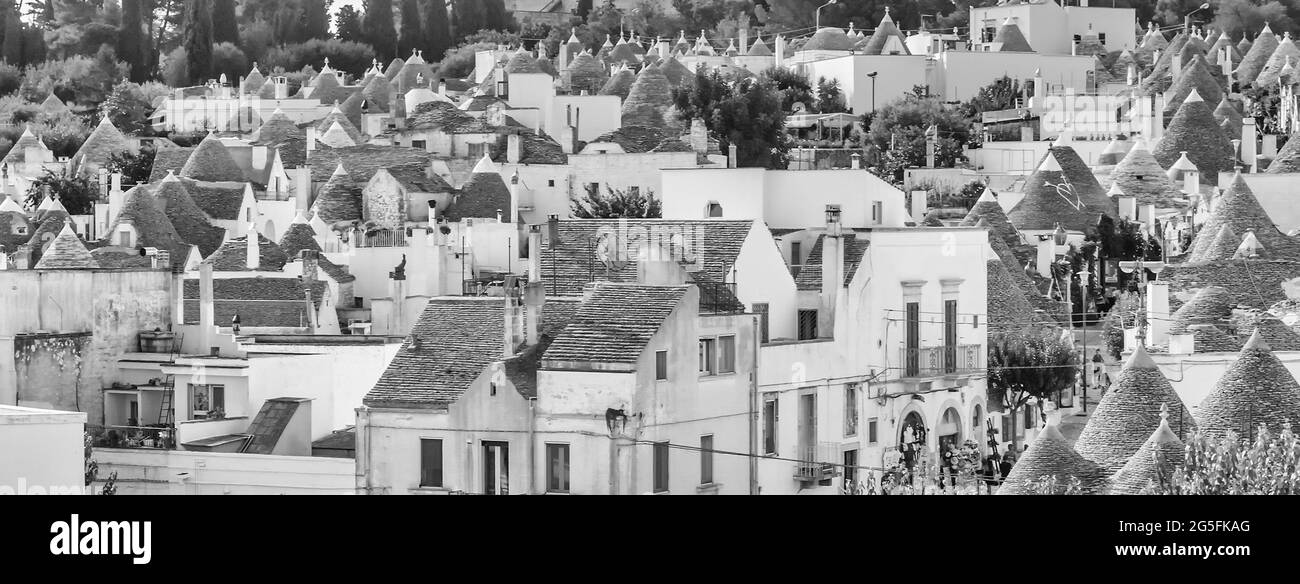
<point>224,27</point>
<point>13,43</point>
<point>379,29</point>
<point>584,8</point>
<point>437,30</point>
<point>347,25</point>
<point>411,35</point>
<point>471,17</point>
<point>316,19</point>
<point>495,16</point>
<point>198,40</point>
<point>33,45</point>
<point>131,47</point>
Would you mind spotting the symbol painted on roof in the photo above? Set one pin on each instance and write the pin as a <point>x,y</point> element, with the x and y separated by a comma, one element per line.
<point>1065,190</point>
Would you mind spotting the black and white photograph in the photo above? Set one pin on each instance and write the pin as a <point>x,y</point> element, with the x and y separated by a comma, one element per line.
<point>1047,248</point>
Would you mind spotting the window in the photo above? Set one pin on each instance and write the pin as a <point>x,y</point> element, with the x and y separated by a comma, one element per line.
<point>706,459</point>
<point>550,182</point>
<point>661,365</point>
<point>430,462</point>
<point>1029,417</point>
<point>913,340</point>
<point>1101,38</point>
<point>421,144</point>
<point>713,209</point>
<point>20,230</point>
<point>872,425</point>
<point>661,466</point>
<point>727,354</point>
<point>761,308</point>
<point>476,150</point>
<point>248,214</point>
<point>796,253</point>
<point>1006,428</point>
<point>949,336</point>
<point>850,467</point>
<point>557,468</point>
<point>851,409</point>
<point>708,354</point>
<point>207,401</point>
<point>771,415</point>
<point>807,324</point>
<point>593,187</point>
<point>877,213</point>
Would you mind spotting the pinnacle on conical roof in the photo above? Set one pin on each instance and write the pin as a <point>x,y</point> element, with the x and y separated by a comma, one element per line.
<point>1129,412</point>
<point>1195,131</point>
<point>1051,456</point>
<point>1115,190</point>
<point>1160,456</point>
<point>1256,389</point>
<point>1180,168</point>
<point>1049,164</point>
<point>7,205</point>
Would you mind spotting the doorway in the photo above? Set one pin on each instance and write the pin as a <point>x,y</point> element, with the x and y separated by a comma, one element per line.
<point>496,468</point>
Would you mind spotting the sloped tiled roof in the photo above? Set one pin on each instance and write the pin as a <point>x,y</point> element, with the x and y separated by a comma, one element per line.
<point>810,276</point>
<point>1212,339</point>
<point>232,256</point>
<point>635,139</point>
<point>211,162</point>
<point>456,340</point>
<point>1256,389</point>
<point>168,159</point>
<point>259,302</point>
<point>1160,455</point>
<point>1129,412</point>
<point>536,149</point>
<point>117,258</point>
<point>362,161</point>
<point>580,258</point>
<point>66,252</point>
<point>1194,130</point>
<point>1252,283</point>
<point>605,331</point>
<point>1051,456</point>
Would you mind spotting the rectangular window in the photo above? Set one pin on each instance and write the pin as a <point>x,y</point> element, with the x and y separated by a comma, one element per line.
<point>557,468</point>
<point>913,339</point>
<point>593,188</point>
<point>872,425</point>
<point>850,467</point>
<point>476,151</point>
<point>877,213</point>
<point>771,415</point>
<point>1007,427</point>
<point>430,462</point>
<point>550,182</point>
<point>851,409</point>
<point>807,324</point>
<point>420,144</point>
<point>796,253</point>
<point>706,459</point>
<point>950,336</point>
<point>708,356</point>
<point>761,308</point>
<point>727,354</point>
<point>661,365</point>
<point>1029,417</point>
<point>661,466</point>
<point>207,401</point>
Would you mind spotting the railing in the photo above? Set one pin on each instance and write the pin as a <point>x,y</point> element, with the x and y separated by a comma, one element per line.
<point>718,297</point>
<point>937,361</point>
<point>155,437</point>
<point>380,239</point>
<point>817,463</point>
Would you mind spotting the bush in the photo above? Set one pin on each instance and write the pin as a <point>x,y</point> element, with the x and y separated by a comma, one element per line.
<point>176,68</point>
<point>11,78</point>
<point>229,60</point>
<point>349,57</point>
<point>459,61</point>
<point>77,79</point>
<point>63,133</point>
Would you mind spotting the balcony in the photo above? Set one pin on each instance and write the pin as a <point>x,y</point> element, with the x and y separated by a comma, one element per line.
<point>817,463</point>
<point>940,361</point>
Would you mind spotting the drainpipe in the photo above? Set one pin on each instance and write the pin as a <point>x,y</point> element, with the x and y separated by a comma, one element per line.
<point>532,446</point>
<point>613,465</point>
<point>363,458</point>
<point>753,409</point>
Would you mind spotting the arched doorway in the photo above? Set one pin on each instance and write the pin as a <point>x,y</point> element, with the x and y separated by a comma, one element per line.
<point>912,435</point>
<point>949,429</point>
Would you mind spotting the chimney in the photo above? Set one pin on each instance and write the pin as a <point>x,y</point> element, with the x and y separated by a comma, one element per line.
<point>514,148</point>
<point>116,198</point>
<point>207,317</point>
<point>1249,147</point>
<point>253,248</point>
<point>744,40</point>
<point>312,324</point>
<point>1157,313</point>
<point>856,163</point>
<point>310,265</point>
<point>832,272</point>
<point>1192,182</point>
<point>931,142</point>
<point>281,87</point>
<point>259,157</point>
<point>699,136</point>
<point>779,51</point>
<point>1127,207</point>
<point>577,129</point>
<point>302,190</point>
<point>731,156</point>
<point>442,87</point>
<point>311,140</point>
<point>1132,77</point>
<point>535,293</point>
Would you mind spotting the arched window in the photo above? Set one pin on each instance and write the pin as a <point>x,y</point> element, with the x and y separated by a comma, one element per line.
<point>269,230</point>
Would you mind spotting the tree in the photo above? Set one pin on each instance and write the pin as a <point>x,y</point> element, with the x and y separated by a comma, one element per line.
<point>135,168</point>
<point>1171,12</point>
<point>584,8</point>
<point>1237,17</point>
<point>378,28</point>
<point>437,30</point>
<point>411,35</point>
<point>347,25</point>
<point>225,29</point>
<point>615,204</point>
<point>830,98</point>
<point>343,56</point>
<point>793,87</point>
<point>92,468</point>
<point>316,19</point>
<point>228,60</point>
<point>899,130</point>
<point>13,41</point>
<point>1002,94</point>
<point>495,16</point>
<point>198,41</point>
<point>76,193</point>
<point>1028,365</point>
<point>1228,465</point>
<point>127,108</point>
<point>747,114</point>
<point>471,17</point>
<point>132,44</point>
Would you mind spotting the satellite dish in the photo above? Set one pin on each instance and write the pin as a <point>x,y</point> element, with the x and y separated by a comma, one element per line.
<point>798,107</point>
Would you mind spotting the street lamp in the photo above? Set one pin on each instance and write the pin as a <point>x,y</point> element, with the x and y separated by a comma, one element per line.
<point>1187,19</point>
<point>819,12</point>
<point>872,77</point>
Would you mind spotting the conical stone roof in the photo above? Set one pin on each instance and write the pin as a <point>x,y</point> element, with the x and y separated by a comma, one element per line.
<point>880,38</point>
<point>1195,76</point>
<point>211,162</point>
<point>1256,389</point>
<point>1080,175</point>
<point>1288,157</point>
<point>1286,49</point>
<point>105,141</point>
<point>1194,130</point>
<point>66,252</point>
<point>1212,305</point>
<point>759,49</point>
<point>1050,456</point>
<point>339,200</point>
<point>1114,152</point>
<point>1161,455</point>
<point>1254,60</point>
<point>830,39</point>
<point>1272,330</point>
<point>1008,308</point>
<point>278,129</point>
<point>1238,207</point>
<point>1154,40</point>
<point>1244,46</point>
<point>586,73</point>
<point>1223,246</point>
<point>649,101</point>
<point>190,222</point>
<point>1129,412</point>
<point>678,75</point>
<point>1011,38</point>
<point>1050,198</point>
<point>619,83</point>
<point>1161,76</point>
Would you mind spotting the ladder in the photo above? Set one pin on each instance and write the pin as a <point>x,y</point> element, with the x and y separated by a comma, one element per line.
<point>166,412</point>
